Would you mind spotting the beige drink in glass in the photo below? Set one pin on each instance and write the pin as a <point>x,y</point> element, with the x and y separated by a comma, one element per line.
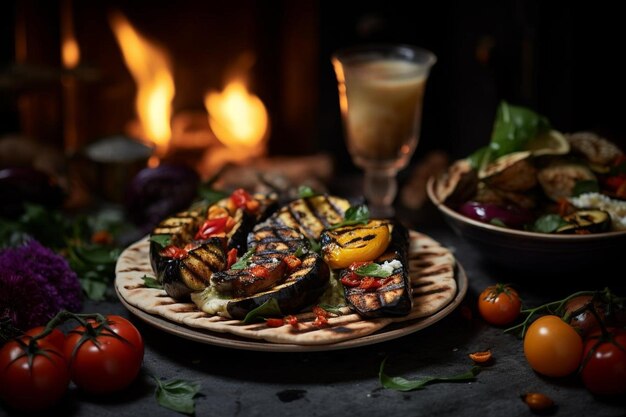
<point>381,91</point>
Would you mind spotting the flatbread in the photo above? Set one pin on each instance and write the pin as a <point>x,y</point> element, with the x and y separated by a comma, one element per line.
<point>431,269</point>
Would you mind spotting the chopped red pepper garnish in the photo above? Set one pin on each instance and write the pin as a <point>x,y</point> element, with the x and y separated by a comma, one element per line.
<point>292,262</point>
<point>292,320</point>
<point>319,311</point>
<point>274,322</point>
<point>253,206</point>
<point>321,316</point>
<point>350,280</point>
<point>231,258</point>
<point>370,283</point>
<point>240,197</point>
<point>174,252</point>
<point>320,321</point>
<point>260,271</point>
<point>356,265</point>
<point>212,227</point>
<point>564,206</point>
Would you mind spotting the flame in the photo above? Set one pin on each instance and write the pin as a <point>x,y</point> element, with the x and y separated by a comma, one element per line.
<point>70,52</point>
<point>150,67</point>
<point>238,118</point>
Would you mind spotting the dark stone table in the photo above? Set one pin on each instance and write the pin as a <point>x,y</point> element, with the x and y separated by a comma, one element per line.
<point>345,382</point>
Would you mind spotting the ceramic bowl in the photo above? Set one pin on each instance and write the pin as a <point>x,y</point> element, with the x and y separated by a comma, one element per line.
<point>531,251</point>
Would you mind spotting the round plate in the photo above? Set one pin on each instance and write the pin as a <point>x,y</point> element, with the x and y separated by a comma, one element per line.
<point>187,320</point>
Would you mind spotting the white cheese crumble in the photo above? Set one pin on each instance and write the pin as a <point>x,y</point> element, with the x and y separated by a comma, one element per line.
<point>616,208</point>
<point>390,266</point>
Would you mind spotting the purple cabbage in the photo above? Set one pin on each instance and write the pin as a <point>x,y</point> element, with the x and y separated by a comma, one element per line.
<point>35,284</point>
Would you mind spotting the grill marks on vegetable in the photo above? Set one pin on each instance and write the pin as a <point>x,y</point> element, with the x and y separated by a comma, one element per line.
<point>311,215</point>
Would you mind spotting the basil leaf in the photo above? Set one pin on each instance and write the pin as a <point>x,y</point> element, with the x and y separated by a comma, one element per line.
<point>332,309</point>
<point>94,288</point>
<point>354,215</point>
<point>151,282</point>
<point>177,394</point>
<point>304,191</point>
<point>585,186</point>
<point>268,308</point>
<point>162,240</point>
<point>300,251</point>
<point>398,383</point>
<point>548,223</point>
<point>372,270</point>
<point>480,158</point>
<point>242,263</point>
<point>513,128</point>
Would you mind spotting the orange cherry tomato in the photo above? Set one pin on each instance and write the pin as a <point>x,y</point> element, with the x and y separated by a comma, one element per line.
<point>552,347</point>
<point>499,304</point>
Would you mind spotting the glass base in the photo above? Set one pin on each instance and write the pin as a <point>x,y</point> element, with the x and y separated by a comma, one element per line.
<point>380,188</point>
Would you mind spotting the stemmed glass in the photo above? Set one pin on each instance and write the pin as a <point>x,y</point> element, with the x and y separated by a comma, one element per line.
<point>381,89</point>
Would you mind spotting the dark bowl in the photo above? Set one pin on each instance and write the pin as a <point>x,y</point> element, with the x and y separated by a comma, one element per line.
<point>531,251</point>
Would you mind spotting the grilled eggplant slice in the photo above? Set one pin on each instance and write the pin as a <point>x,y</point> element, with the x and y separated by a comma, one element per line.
<point>310,215</point>
<point>266,268</point>
<point>189,272</point>
<point>301,288</point>
<point>586,221</point>
<point>393,297</point>
<point>181,274</point>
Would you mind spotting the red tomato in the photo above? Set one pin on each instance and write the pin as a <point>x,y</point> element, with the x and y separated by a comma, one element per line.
<point>240,197</point>
<point>56,338</point>
<point>110,361</point>
<point>585,322</point>
<point>552,347</point>
<point>499,304</point>
<point>32,385</point>
<point>604,370</point>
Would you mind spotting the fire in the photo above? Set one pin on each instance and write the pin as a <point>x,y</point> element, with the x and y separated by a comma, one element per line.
<point>238,119</point>
<point>70,52</point>
<point>150,67</point>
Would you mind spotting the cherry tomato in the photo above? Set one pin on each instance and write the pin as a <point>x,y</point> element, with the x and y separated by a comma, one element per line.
<point>552,347</point>
<point>32,385</point>
<point>240,197</point>
<point>499,304</point>
<point>538,402</point>
<point>109,361</point>
<point>604,366</point>
<point>56,338</point>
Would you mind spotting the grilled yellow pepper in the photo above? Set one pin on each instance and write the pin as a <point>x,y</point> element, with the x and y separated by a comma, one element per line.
<point>362,243</point>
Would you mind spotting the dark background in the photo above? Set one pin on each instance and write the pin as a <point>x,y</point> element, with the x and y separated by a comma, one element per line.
<point>560,58</point>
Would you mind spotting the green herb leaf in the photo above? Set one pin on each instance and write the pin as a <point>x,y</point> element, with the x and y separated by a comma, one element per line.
<point>162,240</point>
<point>151,282</point>
<point>267,309</point>
<point>94,288</point>
<point>354,215</point>
<point>372,270</point>
<point>497,222</point>
<point>304,191</point>
<point>332,309</point>
<point>480,158</point>
<point>401,384</point>
<point>513,128</point>
<point>585,186</point>
<point>242,263</point>
<point>177,394</point>
<point>300,251</point>
<point>315,245</point>
<point>209,195</point>
<point>548,223</point>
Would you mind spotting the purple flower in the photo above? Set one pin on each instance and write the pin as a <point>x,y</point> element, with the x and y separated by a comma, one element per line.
<point>35,284</point>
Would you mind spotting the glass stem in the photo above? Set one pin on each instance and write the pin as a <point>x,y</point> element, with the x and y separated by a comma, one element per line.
<point>380,190</point>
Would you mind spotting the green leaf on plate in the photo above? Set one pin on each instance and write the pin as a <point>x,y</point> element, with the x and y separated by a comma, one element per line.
<point>332,309</point>
<point>162,240</point>
<point>497,222</point>
<point>270,308</point>
<point>177,394</point>
<point>151,282</point>
<point>398,383</point>
<point>372,270</point>
<point>244,261</point>
<point>304,191</point>
<point>354,215</point>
